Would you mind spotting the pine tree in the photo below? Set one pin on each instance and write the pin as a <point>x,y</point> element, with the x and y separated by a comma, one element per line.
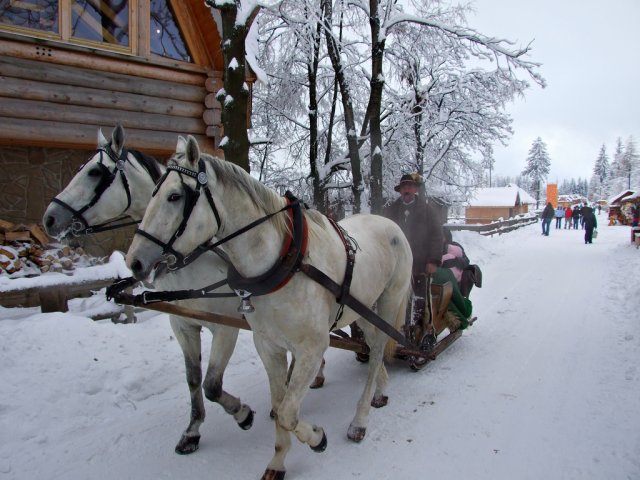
<point>631,164</point>
<point>537,169</point>
<point>616,181</point>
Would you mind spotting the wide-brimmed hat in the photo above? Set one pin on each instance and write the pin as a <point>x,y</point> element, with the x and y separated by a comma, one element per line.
<point>410,179</point>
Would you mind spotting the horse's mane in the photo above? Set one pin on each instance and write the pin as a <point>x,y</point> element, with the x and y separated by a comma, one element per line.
<point>149,163</point>
<point>265,199</point>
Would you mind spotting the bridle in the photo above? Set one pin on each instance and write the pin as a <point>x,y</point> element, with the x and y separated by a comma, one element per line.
<point>79,225</point>
<point>175,259</point>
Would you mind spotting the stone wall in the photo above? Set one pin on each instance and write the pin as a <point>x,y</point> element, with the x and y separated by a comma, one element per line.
<point>30,177</point>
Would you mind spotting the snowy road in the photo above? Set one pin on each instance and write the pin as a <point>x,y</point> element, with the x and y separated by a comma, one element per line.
<point>546,385</point>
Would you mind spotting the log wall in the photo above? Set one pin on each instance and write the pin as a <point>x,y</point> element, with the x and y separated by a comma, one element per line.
<point>54,101</point>
<point>484,215</point>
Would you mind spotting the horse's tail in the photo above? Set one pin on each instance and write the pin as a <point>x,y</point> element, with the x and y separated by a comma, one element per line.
<point>390,347</point>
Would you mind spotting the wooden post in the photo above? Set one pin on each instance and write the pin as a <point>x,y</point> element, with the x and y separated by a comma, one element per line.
<point>53,300</point>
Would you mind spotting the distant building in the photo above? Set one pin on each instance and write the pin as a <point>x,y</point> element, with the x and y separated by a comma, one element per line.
<point>490,204</point>
<point>570,199</point>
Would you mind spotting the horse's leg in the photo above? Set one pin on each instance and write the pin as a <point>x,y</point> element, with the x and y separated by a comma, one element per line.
<point>223,343</point>
<point>358,427</point>
<point>389,307</point>
<point>275,363</point>
<point>318,382</point>
<point>188,336</point>
<point>307,364</point>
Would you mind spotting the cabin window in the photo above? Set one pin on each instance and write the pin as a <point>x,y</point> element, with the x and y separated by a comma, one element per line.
<point>39,15</point>
<point>149,28</point>
<point>103,21</point>
<point>166,38</point>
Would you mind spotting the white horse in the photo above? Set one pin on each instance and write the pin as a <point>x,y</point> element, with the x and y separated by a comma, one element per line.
<point>115,189</point>
<point>298,316</point>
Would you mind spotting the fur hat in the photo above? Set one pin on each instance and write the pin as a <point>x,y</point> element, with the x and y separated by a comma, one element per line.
<point>409,178</point>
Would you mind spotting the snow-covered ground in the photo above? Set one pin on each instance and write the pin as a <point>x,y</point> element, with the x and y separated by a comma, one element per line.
<point>545,385</point>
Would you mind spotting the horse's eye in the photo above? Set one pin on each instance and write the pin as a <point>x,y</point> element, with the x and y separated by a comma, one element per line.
<point>174,197</point>
<point>95,172</point>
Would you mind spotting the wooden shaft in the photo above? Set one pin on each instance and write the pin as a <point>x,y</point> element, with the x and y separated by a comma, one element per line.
<point>241,323</point>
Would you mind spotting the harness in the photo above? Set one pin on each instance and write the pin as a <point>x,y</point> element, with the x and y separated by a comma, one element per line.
<point>79,225</point>
<point>289,262</point>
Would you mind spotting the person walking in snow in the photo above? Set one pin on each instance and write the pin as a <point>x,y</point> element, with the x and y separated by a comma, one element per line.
<point>547,214</point>
<point>590,223</point>
<point>576,217</point>
<point>559,214</point>
<point>567,218</point>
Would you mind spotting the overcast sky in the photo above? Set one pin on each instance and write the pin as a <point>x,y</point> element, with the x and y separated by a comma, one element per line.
<point>591,60</point>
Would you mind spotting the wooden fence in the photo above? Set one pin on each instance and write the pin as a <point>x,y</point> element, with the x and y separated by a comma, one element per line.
<point>498,227</point>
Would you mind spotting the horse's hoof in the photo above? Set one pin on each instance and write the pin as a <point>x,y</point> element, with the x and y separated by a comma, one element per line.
<point>322,446</point>
<point>188,444</point>
<point>318,382</point>
<point>379,401</point>
<point>356,434</point>
<point>270,474</point>
<point>247,423</point>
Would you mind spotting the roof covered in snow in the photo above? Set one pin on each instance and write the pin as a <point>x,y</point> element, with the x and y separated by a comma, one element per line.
<point>508,196</point>
<point>617,198</point>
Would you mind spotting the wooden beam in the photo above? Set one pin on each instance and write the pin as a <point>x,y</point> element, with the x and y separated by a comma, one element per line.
<point>72,95</point>
<point>91,59</point>
<point>41,133</point>
<point>38,110</point>
<point>82,77</point>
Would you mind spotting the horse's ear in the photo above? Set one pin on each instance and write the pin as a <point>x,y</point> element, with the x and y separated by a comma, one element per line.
<point>102,141</point>
<point>192,151</point>
<point>181,146</point>
<point>117,139</point>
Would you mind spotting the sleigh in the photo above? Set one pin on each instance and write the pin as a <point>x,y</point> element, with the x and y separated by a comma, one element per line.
<point>428,341</point>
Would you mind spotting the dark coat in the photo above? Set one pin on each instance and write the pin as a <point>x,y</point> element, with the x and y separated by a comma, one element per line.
<point>589,218</point>
<point>422,226</point>
<point>548,211</point>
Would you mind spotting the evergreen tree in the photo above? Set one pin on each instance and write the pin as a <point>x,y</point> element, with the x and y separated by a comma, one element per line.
<point>537,168</point>
<point>616,181</point>
<point>601,168</point>
<point>631,164</point>
<point>600,173</point>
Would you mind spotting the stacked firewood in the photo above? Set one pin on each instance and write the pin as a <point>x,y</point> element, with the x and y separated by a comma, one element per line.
<point>26,249</point>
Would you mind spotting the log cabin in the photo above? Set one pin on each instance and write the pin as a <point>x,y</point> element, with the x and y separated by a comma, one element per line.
<point>490,204</point>
<point>69,67</point>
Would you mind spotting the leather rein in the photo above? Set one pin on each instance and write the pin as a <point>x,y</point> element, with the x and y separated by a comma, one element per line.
<point>289,262</point>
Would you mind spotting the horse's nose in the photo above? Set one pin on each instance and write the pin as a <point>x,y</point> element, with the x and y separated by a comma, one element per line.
<point>49,221</point>
<point>137,268</point>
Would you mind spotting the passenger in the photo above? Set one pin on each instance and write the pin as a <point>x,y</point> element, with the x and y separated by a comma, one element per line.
<point>457,270</point>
